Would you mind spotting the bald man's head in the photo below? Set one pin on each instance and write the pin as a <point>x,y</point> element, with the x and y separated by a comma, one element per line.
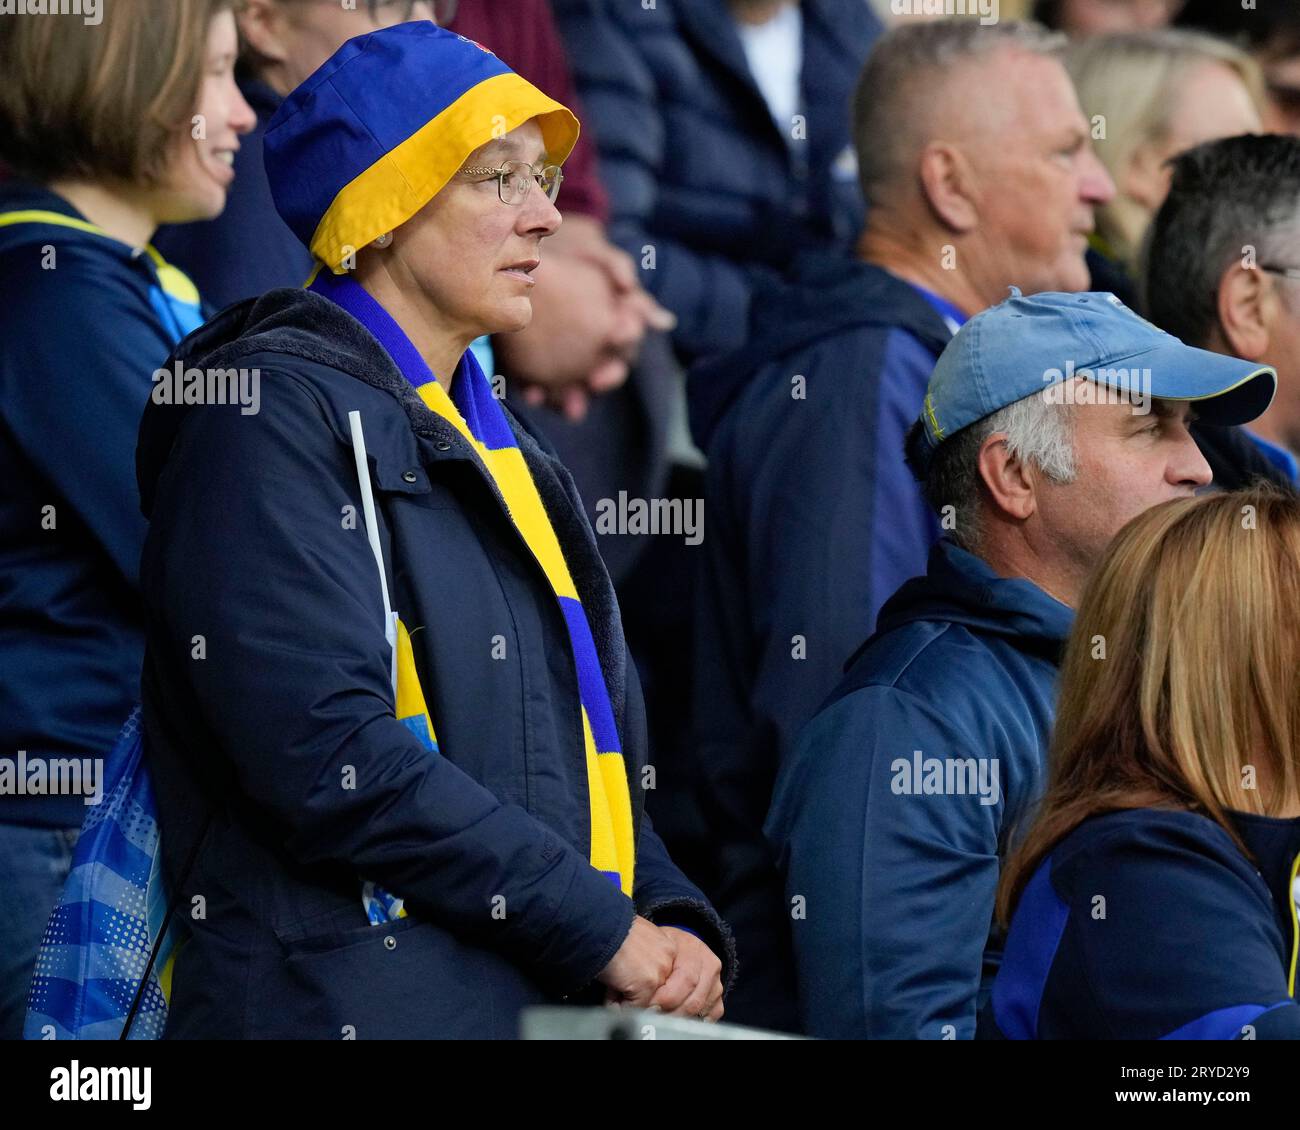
<point>940,79</point>
<point>976,160</point>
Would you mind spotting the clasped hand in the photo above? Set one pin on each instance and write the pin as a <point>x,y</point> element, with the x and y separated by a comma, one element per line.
<point>664,968</point>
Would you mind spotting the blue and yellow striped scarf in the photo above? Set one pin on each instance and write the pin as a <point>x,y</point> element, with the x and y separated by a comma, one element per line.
<point>477,415</point>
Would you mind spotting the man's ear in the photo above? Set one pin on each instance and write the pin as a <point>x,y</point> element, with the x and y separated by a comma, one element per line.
<point>1008,479</point>
<point>262,27</point>
<point>948,182</point>
<point>1243,323</point>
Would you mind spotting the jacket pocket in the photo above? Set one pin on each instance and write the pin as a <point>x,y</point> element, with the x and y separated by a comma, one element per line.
<point>325,934</point>
<point>407,979</point>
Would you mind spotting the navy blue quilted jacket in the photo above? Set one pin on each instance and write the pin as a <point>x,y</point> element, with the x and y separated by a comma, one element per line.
<point>694,163</point>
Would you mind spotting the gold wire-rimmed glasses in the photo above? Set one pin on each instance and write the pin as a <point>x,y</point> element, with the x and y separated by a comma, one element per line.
<point>514,179</point>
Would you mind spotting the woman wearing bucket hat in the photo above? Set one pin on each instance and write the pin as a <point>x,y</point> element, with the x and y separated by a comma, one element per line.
<point>398,741</point>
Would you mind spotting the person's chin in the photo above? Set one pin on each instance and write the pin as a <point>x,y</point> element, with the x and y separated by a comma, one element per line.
<point>195,207</point>
<point>212,208</point>
<point>1072,276</point>
<point>515,315</point>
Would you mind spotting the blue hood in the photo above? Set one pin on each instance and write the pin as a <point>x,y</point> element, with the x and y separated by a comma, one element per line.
<point>283,322</point>
<point>25,196</point>
<point>108,262</point>
<point>959,588</point>
<point>823,295</point>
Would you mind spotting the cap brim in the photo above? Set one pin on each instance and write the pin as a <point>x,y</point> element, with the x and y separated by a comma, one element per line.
<point>1222,389</point>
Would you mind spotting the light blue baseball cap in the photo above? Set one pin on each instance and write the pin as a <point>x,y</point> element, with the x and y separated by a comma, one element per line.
<point>1028,344</point>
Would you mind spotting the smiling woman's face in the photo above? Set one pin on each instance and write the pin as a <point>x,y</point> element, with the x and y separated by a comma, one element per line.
<point>200,174</point>
<point>471,254</point>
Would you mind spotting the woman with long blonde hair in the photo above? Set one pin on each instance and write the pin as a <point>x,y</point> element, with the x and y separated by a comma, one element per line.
<point>1152,897</point>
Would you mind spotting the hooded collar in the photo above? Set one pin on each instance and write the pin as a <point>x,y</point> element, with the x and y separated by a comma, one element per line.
<point>20,194</point>
<point>960,588</point>
<point>24,196</point>
<point>825,293</point>
<point>289,321</point>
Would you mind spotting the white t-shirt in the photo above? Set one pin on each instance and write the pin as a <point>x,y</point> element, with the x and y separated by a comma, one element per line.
<point>775,53</point>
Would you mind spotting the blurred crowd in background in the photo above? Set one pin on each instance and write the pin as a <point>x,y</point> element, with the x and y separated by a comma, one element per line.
<point>777,216</point>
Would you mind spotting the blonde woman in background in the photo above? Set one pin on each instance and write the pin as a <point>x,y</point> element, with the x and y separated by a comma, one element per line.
<point>1151,95</point>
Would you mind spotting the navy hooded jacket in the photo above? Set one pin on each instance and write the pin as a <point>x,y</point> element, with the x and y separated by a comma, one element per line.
<point>1150,924</point>
<point>892,817</point>
<point>267,682</point>
<point>86,321</point>
<point>814,521</point>
<point>695,165</point>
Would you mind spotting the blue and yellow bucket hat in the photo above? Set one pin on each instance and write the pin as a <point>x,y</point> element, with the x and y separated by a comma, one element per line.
<point>379,129</point>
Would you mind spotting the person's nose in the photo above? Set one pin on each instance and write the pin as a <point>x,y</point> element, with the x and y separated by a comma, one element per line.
<point>1187,466</point>
<point>243,118</point>
<point>1095,184</point>
<point>539,216</point>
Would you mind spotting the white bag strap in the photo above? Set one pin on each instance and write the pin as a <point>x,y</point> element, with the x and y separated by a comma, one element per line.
<point>372,533</point>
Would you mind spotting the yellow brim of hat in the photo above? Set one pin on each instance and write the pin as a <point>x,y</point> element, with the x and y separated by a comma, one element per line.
<point>405,179</point>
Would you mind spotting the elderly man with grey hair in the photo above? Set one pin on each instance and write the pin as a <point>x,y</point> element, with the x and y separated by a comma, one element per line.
<point>978,169</point>
<point>1049,422</point>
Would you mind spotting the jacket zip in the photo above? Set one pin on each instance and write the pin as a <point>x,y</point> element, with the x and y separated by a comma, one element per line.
<point>486,478</point>
<point>358,443</point>
<point>1295,924</point>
